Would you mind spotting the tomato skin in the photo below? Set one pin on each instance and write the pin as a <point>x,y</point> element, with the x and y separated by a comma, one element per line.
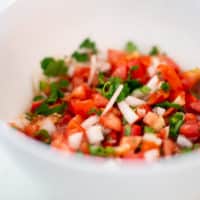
<point>136,130</point>
<point>169,74</point>
<point>147,145</point>
<point>145,60</point>
<point>99,100</point>
<point>111,121</point>
<point>191,130</point>
<point>81,92</point>
<point>190,117</point>
<point>116,58</point>
<point>35,105</point>
<point>82,107</point>
<point>195,106</point>
<point>120,72</point>
<point>80,76</point>
<point>31,129</point>
<point>169,147</point>
<point>158,97</point>
<point>64,120</point>
<point>111,139</point>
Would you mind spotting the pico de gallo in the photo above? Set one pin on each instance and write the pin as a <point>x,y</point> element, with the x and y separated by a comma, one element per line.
<point>119,103</point>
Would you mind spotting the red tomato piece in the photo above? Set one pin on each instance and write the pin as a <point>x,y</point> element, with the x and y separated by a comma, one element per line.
<point>81,92</point>
<point>169,147</point>
<point>31,129</point>
<point>169,74</point>
<point>35,105</point>
<point>111,139</point>
<point>136,130</point>
<point>120,72</point>
<point>99,100</point>
<point>190,130</point>
<point>157,97</point>
<point>111,121</point>
<point>195,106</point>
<point>190,117</point>
<point>82,107</point>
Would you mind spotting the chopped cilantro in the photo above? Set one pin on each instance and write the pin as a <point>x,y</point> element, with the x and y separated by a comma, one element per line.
<point>101,151</point>
<point>44,109</point>
<point>101,78</point>
<point>145,89</point>
<point>43,135</point>
<point>43,85</point>
<point>154,51</point>
<point>127,130</point>
<point>175,123</point>
<point>148,129</point>
<point>130,70</point>
<point>165,86</point>
<point>80,57</point>
<point>186,150</point>
<point>94,111</point>
<point>52,67</point>
<point>89,44</point>
<point>130,47</point>
<point>167,104</point>
<point>37,98</point>
<point>30,116</point>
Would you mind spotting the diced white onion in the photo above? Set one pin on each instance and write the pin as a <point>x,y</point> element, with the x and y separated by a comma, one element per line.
<point>95,134</point>
<point>180,100</point>
<point>151,155</point>
<point>183,141</point>
<point>158,110</point>
<point>127,112</point>
<point>48,125</point>
<point>153,83</point>
<point>113,99</point>
<point>75,139</point>
<point>133,101</point>
<point>93,68</point>
<point>21,121</point>
<point>153,68</point>
<point>90,121</point>
<point>152,138</point>
<point>141,112</point>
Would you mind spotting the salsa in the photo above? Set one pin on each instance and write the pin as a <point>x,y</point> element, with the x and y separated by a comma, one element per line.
<point>119,103</point>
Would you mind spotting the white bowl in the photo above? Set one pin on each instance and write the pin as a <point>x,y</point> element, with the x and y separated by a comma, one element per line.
<point>31,30</point>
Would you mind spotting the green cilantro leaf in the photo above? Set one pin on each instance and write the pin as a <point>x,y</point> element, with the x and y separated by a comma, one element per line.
<point>130,47</point>
<point>165,86</point>
<point>127,130</point>
<point>94,111</point>
<point>53,68</point>
<point>154,51</point>
<point>89,44</point>
<point>167,104</point>
<point>43,136</point>
<point>80,57</point>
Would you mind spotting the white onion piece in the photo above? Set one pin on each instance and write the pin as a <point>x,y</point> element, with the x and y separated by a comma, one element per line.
<point>48,125</point>
<point>151,155</point>
<point>180,100</point>
<point>183,141</point>
<point>21,121</point>
<point>113,99</point>
<point>75,139</point>
<point>153,68</point>
<point>153,83</point>
<point>152,138</point>
<point>95,134</point>
<point>158,110</point>
<point>90,121</point>
<point>133,101</point>
<point>127,112</point>
<point>93,68</point>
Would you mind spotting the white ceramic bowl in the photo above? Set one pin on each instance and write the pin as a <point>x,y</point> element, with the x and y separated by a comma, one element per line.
<point>30,30</point>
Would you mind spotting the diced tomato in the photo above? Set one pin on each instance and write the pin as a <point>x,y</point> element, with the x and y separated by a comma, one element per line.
<point>162,134</point>
<point>111,121</point>
<point>169,74</point>
<point>35,105</point>
<point>80,76</point>
<point>190,78</point>
<point>191,130</point>
<point>81,92</point>
<point>59,142</point>
<point>136,130</point>
<point>31,129</point>
<point>120,72</point>
<point>147,145</point>
<point>195,106</point>
<point>190,99</point>
<point>145,60</point>
<point>169,147</point>
<point>99,100</point>
<point>111,139</point>
<point>140,73</point>
<point>116,58</point>
<point>143,110</point>
<point>157,97</point>
<point>74,125</point>
<point>169,111</point>
<point>64,120</point>
<point>168,61</point>
<point>84,147</point>
<point>82,107</point>
<point>190,117</point>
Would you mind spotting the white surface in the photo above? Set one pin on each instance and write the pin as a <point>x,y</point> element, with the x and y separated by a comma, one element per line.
<point>14,182</point>
<point>33,29</point>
